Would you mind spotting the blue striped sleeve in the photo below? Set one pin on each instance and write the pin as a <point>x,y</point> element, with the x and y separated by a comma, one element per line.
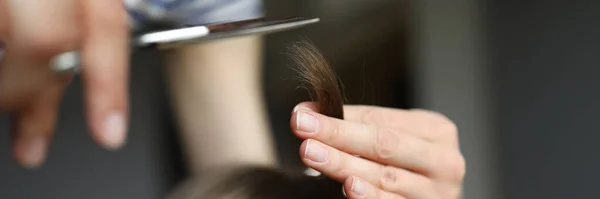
<point>202,12</point>
<point>184,12</point>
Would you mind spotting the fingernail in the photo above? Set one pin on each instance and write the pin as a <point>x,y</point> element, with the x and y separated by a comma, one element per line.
<point>315,152</point>
<point>312,172</point>
<point>293,111</point>
<point>32,152</point>
<point>306,122</point>
<point>297,108</point>
<point>357,186</point>
<point>114,131</point>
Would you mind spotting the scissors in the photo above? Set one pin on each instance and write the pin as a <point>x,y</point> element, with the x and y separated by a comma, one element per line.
<point>193,34</point>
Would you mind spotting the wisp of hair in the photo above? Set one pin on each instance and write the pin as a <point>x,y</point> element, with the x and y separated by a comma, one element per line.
<point>318,77</point>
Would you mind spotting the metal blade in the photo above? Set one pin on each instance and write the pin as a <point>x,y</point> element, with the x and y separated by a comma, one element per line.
<point>69,61</point>
<point>196,34</point>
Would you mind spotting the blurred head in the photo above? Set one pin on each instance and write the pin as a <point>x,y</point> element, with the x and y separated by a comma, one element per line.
<point>257,183</point>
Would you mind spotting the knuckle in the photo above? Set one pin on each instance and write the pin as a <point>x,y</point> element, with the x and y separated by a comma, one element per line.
<point>338,166</point>
<point>377,193</point>
<point>105,92</point>
<point>440,123</point>
<point>459,168</point>
<point>99,84</point>
<point>399,180</point>
<point>453,166</point>
<point>336,132</point>
<point>377,116</point>
<point>447,127</point>
<point>386,143</point>
<point>389,178</point>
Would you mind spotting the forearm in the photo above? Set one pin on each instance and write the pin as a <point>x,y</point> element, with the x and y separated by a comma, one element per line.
<point>218,100</point>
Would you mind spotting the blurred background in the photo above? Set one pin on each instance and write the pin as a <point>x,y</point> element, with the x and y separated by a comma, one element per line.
<point>518,78</point>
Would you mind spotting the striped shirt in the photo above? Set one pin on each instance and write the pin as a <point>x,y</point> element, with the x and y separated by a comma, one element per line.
<point>183,12</point>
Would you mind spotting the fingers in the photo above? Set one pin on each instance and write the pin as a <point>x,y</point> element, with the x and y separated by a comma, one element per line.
<point>384,145</point>
<point>32,127</point>
<point>24,71</point>
<point>21,79</point>
<point>417,146</point>
<point>428,125</point>
<point>32,32</point>
<point>105,71</point>
<point>57,19</point>
<point>379,116</point>
<point>340,166</point>
<point>356,188</point>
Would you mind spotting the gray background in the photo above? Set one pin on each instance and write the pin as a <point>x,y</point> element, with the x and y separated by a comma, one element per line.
<point>518,77</point>
<point>547,92</point>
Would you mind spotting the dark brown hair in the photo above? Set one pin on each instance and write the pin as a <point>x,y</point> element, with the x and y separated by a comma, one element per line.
<point>269,183</point>
<point>254,182</point>
<point>318,77</point>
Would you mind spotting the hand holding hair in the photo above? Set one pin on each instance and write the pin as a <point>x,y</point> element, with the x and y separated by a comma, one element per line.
<point>376,152</point>
<point>403,154</point>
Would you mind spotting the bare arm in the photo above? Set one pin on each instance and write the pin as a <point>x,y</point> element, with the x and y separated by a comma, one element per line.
<point>218,100</point>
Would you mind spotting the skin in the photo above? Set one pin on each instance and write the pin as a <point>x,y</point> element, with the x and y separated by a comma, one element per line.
<point>100,30</point>
<point>217,93</point>
<point>404,154</point>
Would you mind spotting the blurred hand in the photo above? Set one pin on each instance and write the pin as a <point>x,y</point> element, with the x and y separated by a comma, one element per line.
<point>404,154</point>
<point>32,33</point>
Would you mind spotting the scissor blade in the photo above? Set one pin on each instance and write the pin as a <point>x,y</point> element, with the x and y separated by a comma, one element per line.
<point>69,61</point>
<point>202,33</point>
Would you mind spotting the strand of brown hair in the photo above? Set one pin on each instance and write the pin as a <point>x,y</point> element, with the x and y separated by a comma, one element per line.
<point>318,77</point>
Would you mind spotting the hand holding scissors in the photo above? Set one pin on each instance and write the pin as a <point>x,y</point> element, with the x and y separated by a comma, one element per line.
<point>33,32</point>
<point>44,42</point>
